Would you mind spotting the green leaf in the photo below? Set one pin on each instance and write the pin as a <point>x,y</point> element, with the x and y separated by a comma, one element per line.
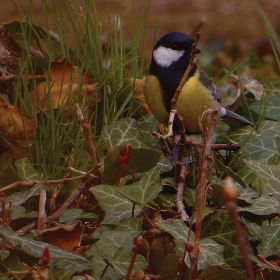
<point>122,133</point>
<point>75,266</point>
<point>118,263</point>
<point>146,126</point>
<point>160,248</point>
<point>114,204</point>
<point>271,108</point>
<point>36,248</point>
<point>60,273</point>
<point>8,173</point>
<point>239,135</point>
<point>270,238</point>
<point>263,205</point>
<point>143,191</point>
<point>169,268</point>
<point>35,31</point>
<point>217,272</point>
<point>229,172</point>
<point>21,197</point>
<point>75,214</point>
<point>208,247</point>
<point>218,226</point>
<point>264,147</point>
<point>269,176</point>
<point>26,170</point>
<point>20,212</point>
<point>140,161</point>
<point>13,263</point>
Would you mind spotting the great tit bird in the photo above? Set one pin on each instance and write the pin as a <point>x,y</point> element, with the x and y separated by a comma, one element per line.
<point>170,59</point>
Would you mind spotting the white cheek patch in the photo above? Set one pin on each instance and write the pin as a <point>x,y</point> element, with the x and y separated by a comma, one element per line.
<point>165,56</point>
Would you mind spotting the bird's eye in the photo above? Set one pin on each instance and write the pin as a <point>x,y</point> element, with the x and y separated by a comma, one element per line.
<point>174,47</point>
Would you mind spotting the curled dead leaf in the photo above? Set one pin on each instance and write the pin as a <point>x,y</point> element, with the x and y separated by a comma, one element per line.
<point>65,237</point>
<point>67,86</point>
<point>138,92</point>
<point>16,125</point>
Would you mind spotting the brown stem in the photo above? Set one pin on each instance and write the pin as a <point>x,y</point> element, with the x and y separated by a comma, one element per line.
<point>58,213</point>
<point>201,185</point>
<point>137,245</point>
<point>87,131</point>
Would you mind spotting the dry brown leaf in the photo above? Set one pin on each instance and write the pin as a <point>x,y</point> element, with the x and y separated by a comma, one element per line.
<point>63,89</point>
<point>16,125</point>
<point>138,93</point>
<point>65,237</point>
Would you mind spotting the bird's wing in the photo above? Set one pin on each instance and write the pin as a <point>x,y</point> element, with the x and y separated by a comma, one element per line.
<point>207,83</point>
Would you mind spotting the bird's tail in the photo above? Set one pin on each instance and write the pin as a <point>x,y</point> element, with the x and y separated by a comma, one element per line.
<point>234,119</point>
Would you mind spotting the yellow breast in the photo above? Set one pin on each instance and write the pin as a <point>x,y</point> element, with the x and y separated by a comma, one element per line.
<point>192,103</point>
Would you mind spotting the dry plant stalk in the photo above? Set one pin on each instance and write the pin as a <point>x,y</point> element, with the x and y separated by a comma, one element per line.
<point>201,189</point>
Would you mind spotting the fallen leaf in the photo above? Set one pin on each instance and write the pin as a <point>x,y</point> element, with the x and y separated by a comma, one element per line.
<point>138,93</point>
<point>16,125</point>
<point>63,90</point>
<point>65,237</point>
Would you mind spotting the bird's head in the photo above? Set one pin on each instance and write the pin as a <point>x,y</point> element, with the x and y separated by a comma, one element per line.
<point>173,48</point>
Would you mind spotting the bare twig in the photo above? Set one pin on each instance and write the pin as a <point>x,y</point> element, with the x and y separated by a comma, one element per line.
<point>87,131</point>
<point>56,192</point>
<point>28,77</point>
<point>137,244</point>
<point>208,132</point>
<point>20,184</point>
<point>42,216</point>
<point>231,198</point>
<point>58,213</point>
<point>181,171</point>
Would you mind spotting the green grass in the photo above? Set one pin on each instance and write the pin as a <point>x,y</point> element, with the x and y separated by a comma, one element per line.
<point>59,140</point>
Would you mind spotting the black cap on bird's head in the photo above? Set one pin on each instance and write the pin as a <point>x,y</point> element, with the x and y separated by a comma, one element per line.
<point>172,49</point>
<point>176,41</point>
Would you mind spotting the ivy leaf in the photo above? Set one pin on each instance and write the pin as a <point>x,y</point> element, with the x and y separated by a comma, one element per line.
<point>26,170</point>
<point>269,176</point>
<point>140,161</point>
<point>146,189</point>
<point>75,214</point>
<point>122,133</point>
<point>217,272</point>
<point>20,197</point>
<point>60,273</point>
<point>114,204</point>
<point>73,266</point>
<point>210,251</point>
<point>264,147</point>
<point>8,172</point>
<point>263,205</point>
<point>35,248</point>
<point>270,107</point>
<point>20,212</point>
<point>270,238</point>
<point>218,226</point>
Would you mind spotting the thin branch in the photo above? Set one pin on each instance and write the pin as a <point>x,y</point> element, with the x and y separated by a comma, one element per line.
<point>42,216</point>
<point>231,204</point>
<point>78,191</point>
<point>20,184</point>
<point>208,132</point>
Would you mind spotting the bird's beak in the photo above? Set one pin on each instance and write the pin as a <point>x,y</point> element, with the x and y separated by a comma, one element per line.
<point>197,51</point>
